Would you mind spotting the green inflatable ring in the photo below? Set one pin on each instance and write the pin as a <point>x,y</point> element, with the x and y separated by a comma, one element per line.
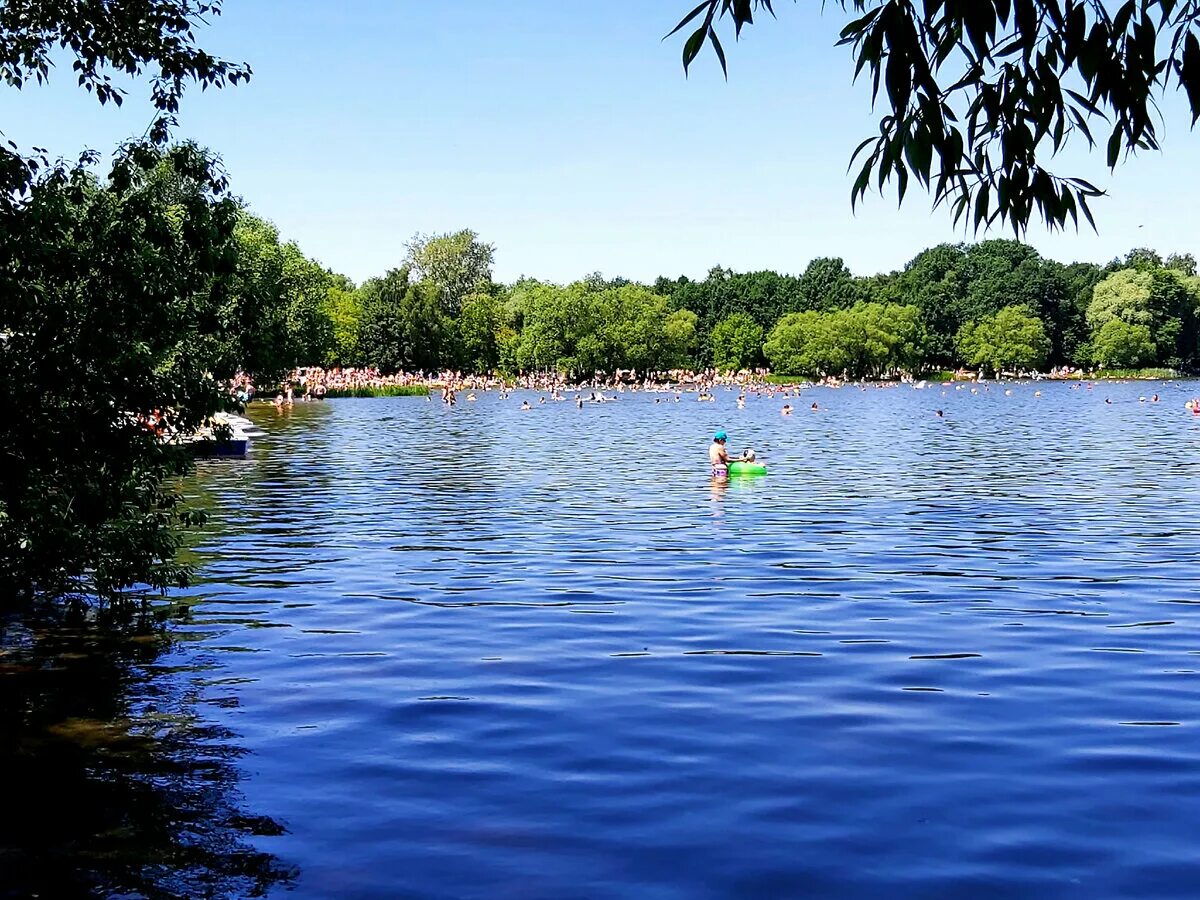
<point>747,468</point>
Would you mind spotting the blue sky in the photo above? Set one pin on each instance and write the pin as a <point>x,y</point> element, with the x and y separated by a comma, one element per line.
<point>565,132</point>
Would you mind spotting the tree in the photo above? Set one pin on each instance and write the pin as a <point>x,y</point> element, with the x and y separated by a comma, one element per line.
<point>1163,300</point>
<point>1012,339</point>
<point>1183,263</point>
<point>547,325</point>
<point>457,264</point>
<point>1123,295</point>
<point>993,89</point>
<point>285,302</point>
<point>868,340</point>
<point>598,326</point>
<point>344,307</point>
<point>891,338</point>
<point>403,327</point>
<point>1069,328</point>
<point>681,339</point>
<point>935,282</point>
<point>1119,345</point>
<point>478,324</point>
<point>634,327</point>
<point>736,343</point>
<point>799,345</point>
<point>132,37</point>
<point>304,288</point>
<point>117,309</point>
<point>826,284</point>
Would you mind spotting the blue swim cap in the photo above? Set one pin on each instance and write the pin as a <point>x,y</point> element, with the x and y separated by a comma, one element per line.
<point>720,436</point>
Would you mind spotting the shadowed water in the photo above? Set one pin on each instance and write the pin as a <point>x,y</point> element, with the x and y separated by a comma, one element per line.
<point>489,653</point>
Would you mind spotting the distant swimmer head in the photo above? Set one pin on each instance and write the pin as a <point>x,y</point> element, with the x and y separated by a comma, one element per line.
<point>720,436</point>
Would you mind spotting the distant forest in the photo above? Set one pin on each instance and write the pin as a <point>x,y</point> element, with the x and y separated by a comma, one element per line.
<point>997,305</point>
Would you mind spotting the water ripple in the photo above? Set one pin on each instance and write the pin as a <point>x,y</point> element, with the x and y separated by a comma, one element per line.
<point>539,654</point>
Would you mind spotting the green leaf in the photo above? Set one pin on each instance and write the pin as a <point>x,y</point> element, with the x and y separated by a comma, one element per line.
<point>716,44</point>
<point>692,47</point>
<point>1114,147</point>
<point>695,12</point>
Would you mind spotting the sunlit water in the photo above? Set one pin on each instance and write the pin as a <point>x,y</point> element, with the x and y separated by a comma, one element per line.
<point>489,653</point>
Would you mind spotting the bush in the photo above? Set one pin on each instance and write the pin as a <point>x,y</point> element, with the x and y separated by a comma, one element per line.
<point>1118,344</point>
<point>386,390</point>
<point>736,343</point>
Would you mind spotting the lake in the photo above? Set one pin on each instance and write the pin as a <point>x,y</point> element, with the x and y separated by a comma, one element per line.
<point>482,652</point>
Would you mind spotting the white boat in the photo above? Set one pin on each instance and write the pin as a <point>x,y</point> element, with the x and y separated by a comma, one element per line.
<point>227,437</point>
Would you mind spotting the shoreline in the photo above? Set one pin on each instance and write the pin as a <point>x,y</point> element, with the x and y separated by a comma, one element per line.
<point>769,387</point>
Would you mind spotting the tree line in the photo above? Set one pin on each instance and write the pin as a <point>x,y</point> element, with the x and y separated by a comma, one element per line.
<point>996,305</point>
<point>135,298</point>
<point>131,300</point>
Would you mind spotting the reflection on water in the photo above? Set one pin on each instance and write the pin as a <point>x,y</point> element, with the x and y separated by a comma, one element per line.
<point>486,653</point>
<point>117,784</point>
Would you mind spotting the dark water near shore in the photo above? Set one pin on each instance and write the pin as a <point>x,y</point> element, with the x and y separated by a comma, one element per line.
<point>489,653</point>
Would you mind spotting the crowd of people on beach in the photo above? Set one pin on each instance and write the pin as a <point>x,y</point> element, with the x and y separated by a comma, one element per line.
<point>313,382</point>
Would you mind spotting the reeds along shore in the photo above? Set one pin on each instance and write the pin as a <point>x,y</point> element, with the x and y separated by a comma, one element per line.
<point>386,390</point>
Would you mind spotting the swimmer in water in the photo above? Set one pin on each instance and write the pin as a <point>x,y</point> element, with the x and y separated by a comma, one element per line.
<point>718,457</point>
<point>787,410</point>
<point>525,405</point>
<point>814,407</point>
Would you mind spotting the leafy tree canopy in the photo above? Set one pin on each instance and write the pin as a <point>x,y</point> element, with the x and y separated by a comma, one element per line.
<point>455,264</point>
<point>979,95</point>
<point>1119,345</point>
<point>116,312</point>
<point>737,343</point>
<point>864,341</point>
<point>131,38</point>
<point>1012,339</point>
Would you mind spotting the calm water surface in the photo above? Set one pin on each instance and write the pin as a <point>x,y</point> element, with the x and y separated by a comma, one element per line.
<point>489,653</point>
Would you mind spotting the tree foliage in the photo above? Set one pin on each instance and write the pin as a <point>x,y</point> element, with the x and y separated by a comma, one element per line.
<point>868,340</point>
<point>978,95</point>
<point>131,38</point>
<point>1120,345</point>
<point>596,325</point>
<point>293,311</point>
<point>403,326</point>
<point>117,305</point>
<point>1013,339</point>
<point>1164,301</point>
<point>455,264</point>
<point>737,343</point>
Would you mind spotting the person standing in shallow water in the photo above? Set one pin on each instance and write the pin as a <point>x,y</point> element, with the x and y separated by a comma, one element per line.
<point>718,457</point>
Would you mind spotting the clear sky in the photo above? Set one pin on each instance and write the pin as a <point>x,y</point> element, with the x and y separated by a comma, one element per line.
<point>565,132</point>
